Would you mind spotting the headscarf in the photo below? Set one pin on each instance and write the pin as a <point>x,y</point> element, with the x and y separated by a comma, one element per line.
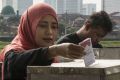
<point>25,38</point>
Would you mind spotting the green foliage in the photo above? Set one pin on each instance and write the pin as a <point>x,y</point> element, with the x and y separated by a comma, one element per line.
<point>104,43</point>
<point>1,17</point>
<point>2,44</point>
<point>72,29</point>
<point>110,43</point>
<point>13,20</point>
<point>5,24</point>
<point>61,29</point>
<point>2,23</point>
<point>8,10</point>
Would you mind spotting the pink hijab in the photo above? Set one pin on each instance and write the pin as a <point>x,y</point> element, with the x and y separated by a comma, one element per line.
<point>24,39</point>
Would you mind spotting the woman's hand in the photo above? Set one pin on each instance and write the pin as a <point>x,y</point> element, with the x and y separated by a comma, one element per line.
<point>68,50</point>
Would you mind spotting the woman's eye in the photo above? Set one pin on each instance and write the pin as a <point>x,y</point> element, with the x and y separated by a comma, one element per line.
<point>43,25</point>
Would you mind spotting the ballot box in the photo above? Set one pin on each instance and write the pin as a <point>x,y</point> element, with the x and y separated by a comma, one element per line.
<point>107,53</point>
<point>76,70</point>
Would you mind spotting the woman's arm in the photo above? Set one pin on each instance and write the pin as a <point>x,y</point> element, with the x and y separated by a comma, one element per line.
<point>15,63</point>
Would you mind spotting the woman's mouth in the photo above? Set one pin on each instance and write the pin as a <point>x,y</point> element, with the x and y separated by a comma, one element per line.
<point>48,40</point>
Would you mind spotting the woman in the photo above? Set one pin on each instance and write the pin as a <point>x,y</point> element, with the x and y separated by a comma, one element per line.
<point>34,43</point>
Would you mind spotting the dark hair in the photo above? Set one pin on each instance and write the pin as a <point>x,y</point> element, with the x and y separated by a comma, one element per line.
<point>101,19</point>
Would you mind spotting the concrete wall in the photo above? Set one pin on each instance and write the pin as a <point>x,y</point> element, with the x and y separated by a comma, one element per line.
<point>107,53</point>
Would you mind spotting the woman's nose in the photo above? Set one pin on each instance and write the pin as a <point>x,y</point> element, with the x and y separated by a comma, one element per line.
<point>49,31</point>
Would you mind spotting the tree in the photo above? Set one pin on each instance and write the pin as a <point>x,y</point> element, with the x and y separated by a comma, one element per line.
<point>1,22</point>
<point>61,29</point>
<point>13,20</point>
<point>8,10</point>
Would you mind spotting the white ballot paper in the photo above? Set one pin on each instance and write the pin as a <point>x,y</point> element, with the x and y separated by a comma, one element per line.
<point>89,57</point>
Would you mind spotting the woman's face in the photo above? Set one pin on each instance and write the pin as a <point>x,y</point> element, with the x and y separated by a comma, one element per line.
<point>46,32</point>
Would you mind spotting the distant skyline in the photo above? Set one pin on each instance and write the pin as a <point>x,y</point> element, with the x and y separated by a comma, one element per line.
<point>0,5</point>
<point>97,2</point>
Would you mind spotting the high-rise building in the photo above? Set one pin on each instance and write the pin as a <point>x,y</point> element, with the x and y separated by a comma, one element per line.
<point>19,6</point>
<point>63,6</point>
<point>69,6</point>
<point>89,9</point>
<point>110,6</point>
<point>73,6</point>
<point>60,9</point>
<point>23,5</point>
<point>52,3</point>
<point>0,5</point>
<point>7,2</point>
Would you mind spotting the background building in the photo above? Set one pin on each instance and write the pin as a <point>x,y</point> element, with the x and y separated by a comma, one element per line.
<point>88,9</point>
<point>69,6</point>
<point>51,2</point>
<point>111,6</point>
<point>60,6</point>
<point>63,6</point>
<point>7,2</point>
<point>23,5</point>
<point>19,6</point>
<point>0,5</point>
<point>73,6</point>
